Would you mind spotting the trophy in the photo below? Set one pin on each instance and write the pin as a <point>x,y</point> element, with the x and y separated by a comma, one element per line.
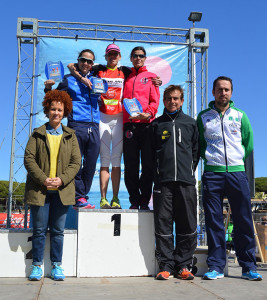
<point>99,86</point>
<point>54,70</point>
<point>132,106</point>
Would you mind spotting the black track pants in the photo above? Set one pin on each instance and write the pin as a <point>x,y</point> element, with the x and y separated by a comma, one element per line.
<point>175,202</point>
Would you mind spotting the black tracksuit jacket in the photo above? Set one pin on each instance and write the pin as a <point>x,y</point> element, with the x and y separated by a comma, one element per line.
<point>175,148</point>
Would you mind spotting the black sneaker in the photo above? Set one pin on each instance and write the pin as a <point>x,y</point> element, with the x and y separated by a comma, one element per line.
<point>144,207</point>
<point>134,206</point>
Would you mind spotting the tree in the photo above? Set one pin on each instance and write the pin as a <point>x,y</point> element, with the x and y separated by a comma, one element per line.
<point>18,192</point>
<point>3,189</point>
<point>261,184</point>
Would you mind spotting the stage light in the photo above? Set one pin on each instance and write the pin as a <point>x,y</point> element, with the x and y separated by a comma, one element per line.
<point>195,16</point>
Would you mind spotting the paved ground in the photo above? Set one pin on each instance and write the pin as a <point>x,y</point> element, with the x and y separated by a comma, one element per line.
<point>231,287</point>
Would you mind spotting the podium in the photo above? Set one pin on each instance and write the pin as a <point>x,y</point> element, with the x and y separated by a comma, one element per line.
<point>16,256</point>
<point>108,243</point>
<point>115,242</point>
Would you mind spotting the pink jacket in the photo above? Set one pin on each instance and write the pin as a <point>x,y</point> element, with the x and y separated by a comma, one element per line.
<point>138,85</point>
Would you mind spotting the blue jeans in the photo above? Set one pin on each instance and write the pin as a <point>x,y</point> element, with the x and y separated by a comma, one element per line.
<point>53,215</point>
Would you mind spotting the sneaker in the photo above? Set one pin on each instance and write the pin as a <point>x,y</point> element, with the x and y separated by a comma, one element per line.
<point>252,275</point>
<point>134,206</point>
<point>212,274</point>
<point>36,273</point>
<point>144,207</point>
<point>83,203</point>
<point>57,273</point>
<point>164,275</point>
<point>104,203</point>
<point>185,274</point>
<point>115,202</point>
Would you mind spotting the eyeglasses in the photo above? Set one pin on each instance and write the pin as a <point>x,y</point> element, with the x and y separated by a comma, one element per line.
<point>83,60</point>
<point>139,55</point>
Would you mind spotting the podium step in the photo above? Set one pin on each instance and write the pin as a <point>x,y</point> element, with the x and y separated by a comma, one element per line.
<point>108,243</point>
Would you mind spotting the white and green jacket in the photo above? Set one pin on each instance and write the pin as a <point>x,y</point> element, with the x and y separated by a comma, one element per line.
<point>225,140</point>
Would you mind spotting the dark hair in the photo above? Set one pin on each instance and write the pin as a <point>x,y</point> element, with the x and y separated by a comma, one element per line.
<point>86,50</point>
<point>137,48</point>
<point>58,96</point>
<point>171,88</point>
<point>222,78</point>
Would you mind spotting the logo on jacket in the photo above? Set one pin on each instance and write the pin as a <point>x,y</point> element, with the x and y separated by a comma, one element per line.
<point>234,127</point>
<point>144,80</point>
<point>128,134</point>
<point>165,135</point>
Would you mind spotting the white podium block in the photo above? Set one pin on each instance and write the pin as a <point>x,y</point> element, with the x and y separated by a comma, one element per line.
<point>15,253</point>
<point>115,243</point>
<point>201,254</point>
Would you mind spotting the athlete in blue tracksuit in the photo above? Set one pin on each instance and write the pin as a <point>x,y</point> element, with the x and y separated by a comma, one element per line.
<point>84,119</point>
<point>226,139</point>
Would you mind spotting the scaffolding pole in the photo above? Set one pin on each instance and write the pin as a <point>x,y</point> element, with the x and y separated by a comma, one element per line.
<point>30,30</point>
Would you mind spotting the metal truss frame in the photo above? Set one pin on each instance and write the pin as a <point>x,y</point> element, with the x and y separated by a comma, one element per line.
<point>198,89</point>
<point>30,30</point>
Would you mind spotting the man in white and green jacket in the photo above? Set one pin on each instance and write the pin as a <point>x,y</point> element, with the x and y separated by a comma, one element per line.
<point>226,139</point>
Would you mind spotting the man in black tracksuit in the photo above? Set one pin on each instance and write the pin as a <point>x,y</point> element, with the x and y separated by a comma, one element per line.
<point>175,148</point>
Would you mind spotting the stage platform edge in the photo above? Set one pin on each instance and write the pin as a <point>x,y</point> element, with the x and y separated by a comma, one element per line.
<point>108,243</point>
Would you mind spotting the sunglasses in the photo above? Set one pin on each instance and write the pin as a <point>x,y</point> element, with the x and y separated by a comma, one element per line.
<point>112,53</point>
<point>83,60</point>
<point>139,55</point>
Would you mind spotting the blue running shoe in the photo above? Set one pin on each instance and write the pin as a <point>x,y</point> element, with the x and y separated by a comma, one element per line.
<point>36,273</point>
<point>252,275</point>
<point>57,273</point>
<point>212,274</point>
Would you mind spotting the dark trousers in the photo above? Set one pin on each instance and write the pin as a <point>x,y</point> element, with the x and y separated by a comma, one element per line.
<point>235,186</point>
<point>53,215</point>
<point>175,202</point>
<point>89,143</point>
<point>136,145</point>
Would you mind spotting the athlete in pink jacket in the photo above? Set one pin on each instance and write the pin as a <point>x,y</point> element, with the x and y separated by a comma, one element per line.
<point>135,131</point>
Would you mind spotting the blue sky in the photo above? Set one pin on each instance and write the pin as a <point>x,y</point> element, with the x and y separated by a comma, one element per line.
<point>237,49</point>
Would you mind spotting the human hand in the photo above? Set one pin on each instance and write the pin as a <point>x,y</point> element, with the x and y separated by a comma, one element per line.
<point>71,67</point>
<point>49,83</point>
<point>156,81</point>
<point>141,116</point>
<point>48,183</point>
<point>86,81</point>
<point>57,182</point>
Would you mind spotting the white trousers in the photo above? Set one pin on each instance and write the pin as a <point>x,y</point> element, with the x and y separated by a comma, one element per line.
<point>111,133</point>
